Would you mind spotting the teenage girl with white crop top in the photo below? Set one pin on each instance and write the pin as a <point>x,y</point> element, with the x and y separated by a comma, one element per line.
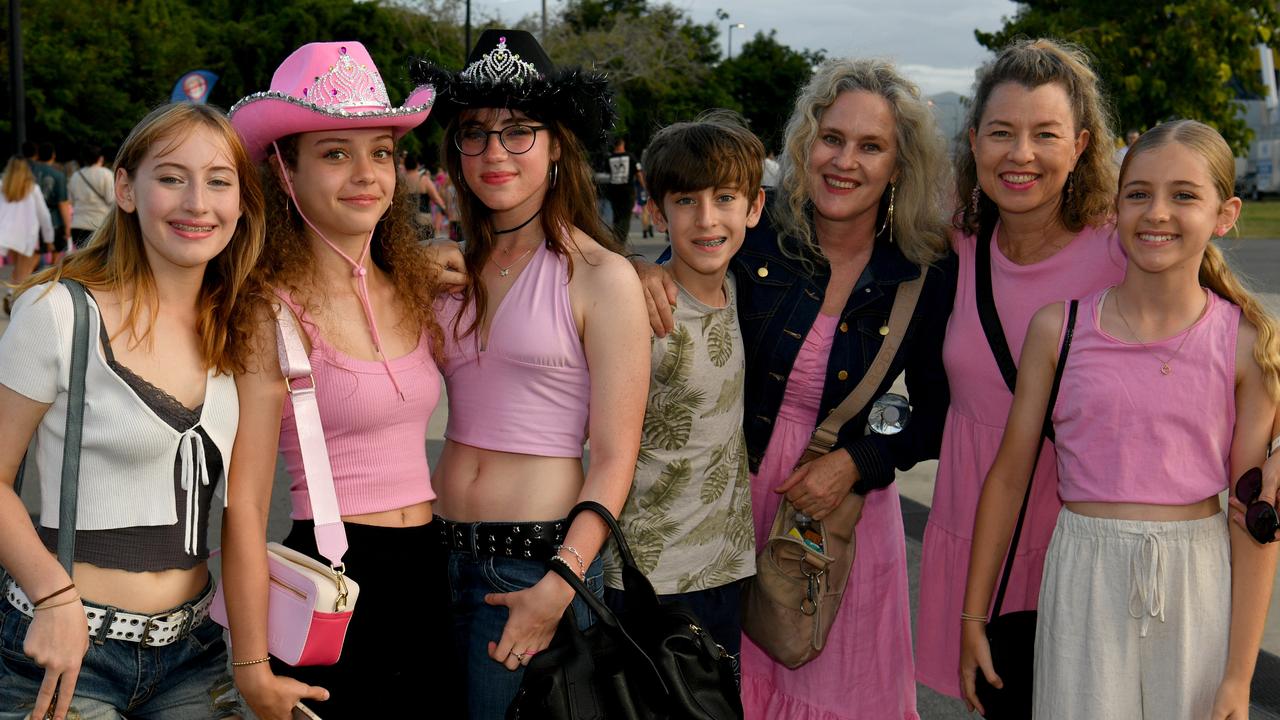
<point>547,346</point>
<point>170,310</point>
<point>1150,606</point>
<point>343,256</point>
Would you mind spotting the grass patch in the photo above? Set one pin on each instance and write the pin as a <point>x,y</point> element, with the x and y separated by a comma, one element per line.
<point>1260,219</point>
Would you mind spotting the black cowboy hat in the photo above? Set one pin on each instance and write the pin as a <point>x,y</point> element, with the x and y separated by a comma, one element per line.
<point>509,69</point>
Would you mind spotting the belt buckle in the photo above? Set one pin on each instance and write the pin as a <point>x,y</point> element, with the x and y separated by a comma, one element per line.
<point>153,623</point>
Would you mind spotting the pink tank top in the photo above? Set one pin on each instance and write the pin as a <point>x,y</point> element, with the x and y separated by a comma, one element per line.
<point>1127,433</point>
<point>376,440</point>
<point>528,391</point>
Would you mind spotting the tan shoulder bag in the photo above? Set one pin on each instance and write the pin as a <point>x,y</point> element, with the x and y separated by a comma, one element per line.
<point>789,606</point>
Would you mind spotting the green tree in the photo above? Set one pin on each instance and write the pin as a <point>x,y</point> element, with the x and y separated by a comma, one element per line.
<point>93,68</point>
<point>1160,59</point>
<point>764,77</point>
<point>660,62</point>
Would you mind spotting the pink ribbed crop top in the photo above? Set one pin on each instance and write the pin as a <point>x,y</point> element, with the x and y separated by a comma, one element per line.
<point>376,440</point>
<point>528,390</point>
<point>1127,433</point>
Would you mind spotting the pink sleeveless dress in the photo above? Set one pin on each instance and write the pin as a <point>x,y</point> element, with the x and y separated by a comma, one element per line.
<point>865,672</point>
<point>980,403</point>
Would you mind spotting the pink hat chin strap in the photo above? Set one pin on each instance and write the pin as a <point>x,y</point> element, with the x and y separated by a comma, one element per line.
<point>357,270</point>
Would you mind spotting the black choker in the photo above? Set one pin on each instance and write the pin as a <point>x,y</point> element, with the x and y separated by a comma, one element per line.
<point>526,222</point>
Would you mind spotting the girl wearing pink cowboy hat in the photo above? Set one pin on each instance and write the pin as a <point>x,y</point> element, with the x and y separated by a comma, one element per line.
<point>542,349</point>
<point>343,256</point>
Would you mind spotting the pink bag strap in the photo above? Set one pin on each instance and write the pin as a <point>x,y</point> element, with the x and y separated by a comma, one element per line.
<point>331,535</point>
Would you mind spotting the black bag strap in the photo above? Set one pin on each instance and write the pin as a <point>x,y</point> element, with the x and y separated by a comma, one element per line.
<point>70,490</point>
<point>989,316</point>
<point>606,616</point>
<point>1048,421</point>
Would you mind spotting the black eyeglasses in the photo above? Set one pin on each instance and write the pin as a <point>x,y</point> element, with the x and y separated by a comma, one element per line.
<point>515,139</point>
<point>1260,516</point>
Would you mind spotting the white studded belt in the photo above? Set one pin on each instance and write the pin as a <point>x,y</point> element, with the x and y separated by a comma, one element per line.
<point>148,630</point>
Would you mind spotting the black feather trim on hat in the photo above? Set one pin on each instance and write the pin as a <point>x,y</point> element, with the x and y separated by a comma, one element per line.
<point>583,101</point>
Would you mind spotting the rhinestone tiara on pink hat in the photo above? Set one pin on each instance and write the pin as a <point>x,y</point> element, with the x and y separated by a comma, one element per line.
<point>325,86</point>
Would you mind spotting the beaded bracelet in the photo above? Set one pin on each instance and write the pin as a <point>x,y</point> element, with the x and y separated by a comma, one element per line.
<point>243,663</point>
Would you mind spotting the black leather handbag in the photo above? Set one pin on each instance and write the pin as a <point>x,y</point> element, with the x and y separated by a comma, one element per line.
<point>649,662</point>
<point>1012,636</point>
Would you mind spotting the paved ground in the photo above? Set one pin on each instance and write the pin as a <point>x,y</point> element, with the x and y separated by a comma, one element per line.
<point>1259,258</point>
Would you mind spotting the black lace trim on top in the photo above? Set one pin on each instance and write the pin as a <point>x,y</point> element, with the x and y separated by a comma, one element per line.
<point>159,547</point>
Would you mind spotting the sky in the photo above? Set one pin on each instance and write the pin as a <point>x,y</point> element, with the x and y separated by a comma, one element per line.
<point>931,40</point>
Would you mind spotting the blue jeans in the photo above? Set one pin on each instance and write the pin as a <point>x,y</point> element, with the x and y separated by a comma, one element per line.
<point>490,686</point>
<point>185,680</point>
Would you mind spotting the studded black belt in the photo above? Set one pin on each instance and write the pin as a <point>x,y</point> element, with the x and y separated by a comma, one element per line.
<point>533,540</point>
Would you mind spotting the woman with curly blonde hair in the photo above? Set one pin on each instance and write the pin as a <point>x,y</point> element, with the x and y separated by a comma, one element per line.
<point>343,258</point>
<point>858,212</point>
<point>1036,183</point>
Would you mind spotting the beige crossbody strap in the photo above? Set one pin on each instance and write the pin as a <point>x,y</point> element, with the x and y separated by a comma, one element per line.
<point>904,305</point>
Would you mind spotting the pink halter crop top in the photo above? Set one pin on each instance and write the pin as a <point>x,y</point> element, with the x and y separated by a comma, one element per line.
<point>376,440</point>
<point>1128,433</point>
<point>528,390</point>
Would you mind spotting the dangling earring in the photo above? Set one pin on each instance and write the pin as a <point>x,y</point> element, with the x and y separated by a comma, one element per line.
<point>1071,184</point>
<point>555,173</point>
<point>386,214</point>
<point>974,197</point>
<point>888,216</point>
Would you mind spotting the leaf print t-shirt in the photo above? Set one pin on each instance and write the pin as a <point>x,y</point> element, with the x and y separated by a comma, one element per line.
<point>688,516</point>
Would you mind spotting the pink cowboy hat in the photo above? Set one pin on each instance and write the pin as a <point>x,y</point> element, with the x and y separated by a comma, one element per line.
<point>325,86</point>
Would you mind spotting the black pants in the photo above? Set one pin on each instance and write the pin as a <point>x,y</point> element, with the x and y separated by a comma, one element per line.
<point>622,198</point>
<point>399,658</point>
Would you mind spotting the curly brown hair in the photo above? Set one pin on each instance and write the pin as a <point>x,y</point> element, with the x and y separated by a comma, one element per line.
<point>287,262</point>
<point>1032,63</point>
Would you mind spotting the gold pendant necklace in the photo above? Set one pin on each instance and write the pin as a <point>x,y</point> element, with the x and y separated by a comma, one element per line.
<point>1165,368</point>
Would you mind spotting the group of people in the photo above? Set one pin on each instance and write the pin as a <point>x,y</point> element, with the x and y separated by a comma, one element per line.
<point>773,304</point>
<point>44,212</point>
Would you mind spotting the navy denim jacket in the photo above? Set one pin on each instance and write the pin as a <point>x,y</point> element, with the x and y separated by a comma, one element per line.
<point>777,308</point>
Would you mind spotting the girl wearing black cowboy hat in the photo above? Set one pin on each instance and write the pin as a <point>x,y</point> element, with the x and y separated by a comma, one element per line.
<point>545,347</point>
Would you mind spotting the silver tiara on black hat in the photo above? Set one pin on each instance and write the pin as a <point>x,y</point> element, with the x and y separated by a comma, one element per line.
<point>507,68</point>
<point>500,65</point>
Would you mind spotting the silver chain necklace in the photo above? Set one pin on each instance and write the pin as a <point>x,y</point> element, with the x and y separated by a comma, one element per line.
<point>1165,368</point>
<point>505,271</point>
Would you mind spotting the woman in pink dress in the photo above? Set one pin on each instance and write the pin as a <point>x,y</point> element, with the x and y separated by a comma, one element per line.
<point>1040,180</point>
<point>854,216</point>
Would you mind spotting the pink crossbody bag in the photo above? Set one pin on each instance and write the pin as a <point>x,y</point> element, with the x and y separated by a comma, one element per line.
<point>309,603</point>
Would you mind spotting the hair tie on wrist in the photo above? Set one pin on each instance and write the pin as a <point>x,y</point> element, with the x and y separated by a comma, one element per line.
<point>53,595</point>
<point>58,604</point>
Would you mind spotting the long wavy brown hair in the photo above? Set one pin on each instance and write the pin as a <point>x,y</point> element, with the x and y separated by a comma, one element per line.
<point>569,202</point>
<point>1089,193</point>
<point>288,263</point>
<point>115,260</point>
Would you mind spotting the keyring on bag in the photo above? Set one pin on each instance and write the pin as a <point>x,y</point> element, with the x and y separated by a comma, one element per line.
<point>809,604</point>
